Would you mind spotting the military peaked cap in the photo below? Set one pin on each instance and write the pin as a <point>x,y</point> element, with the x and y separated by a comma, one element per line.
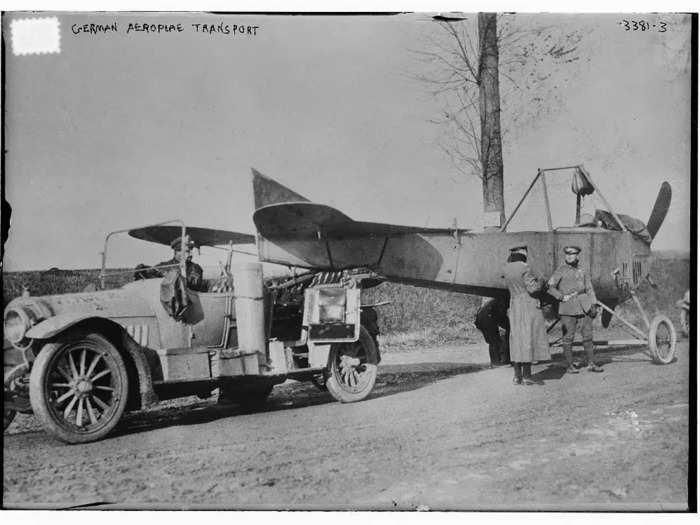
<point>176,244</point>
<point>519,249</point>
<point>572,250</point>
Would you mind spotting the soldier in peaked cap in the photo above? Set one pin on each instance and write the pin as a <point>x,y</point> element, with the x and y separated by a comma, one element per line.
<point>571,285</point>
<point>528,336</point>
<point>194,277</point>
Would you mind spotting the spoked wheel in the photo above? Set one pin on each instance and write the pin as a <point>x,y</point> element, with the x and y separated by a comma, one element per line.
<point>79,388</point>
<point>662,339</point>
<point>352,369</point>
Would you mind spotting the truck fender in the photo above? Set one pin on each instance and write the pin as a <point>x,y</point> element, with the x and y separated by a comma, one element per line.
<point>53,326</point>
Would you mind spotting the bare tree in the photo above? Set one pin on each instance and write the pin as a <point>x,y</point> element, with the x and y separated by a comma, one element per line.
<point>470,63</point>
<point>490,117</point>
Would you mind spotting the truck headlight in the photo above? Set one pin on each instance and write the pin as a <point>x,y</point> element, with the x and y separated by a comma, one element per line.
<point>20,317</point>
<point>16,325</point>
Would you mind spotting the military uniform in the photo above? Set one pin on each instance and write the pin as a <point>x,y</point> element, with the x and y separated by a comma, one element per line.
<point>528,336</point>
<point>492,316</point>
<point>579,310</point>
<point>194,277</point>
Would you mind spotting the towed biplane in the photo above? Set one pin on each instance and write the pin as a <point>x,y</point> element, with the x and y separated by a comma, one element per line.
<point>616,248</point>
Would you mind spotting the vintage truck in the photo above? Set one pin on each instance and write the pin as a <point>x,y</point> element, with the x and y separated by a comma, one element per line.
<point>80,360</point>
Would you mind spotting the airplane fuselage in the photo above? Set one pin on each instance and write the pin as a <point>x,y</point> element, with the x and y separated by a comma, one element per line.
<point>472,262</point>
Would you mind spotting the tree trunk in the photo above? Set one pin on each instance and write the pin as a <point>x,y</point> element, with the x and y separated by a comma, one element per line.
<point>490,110</point>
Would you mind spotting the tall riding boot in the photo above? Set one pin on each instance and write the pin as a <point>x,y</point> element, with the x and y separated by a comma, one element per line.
<point>518,373</point>
<point>569,355</point>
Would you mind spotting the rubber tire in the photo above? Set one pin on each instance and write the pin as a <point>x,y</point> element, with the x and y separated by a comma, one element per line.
<point>335,387</point>
<point>653,328</point>
<point>8,417</point>
<point>38,396</point>
<point>685,322</point>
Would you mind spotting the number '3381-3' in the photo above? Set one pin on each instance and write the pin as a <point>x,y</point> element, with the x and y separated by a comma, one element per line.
<point>643,25</point>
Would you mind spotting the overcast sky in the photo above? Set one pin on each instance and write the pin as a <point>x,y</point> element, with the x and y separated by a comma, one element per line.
<point>121,130</point>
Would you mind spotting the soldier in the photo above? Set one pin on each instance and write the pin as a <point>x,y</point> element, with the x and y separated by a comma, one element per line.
<point>528,336</point>
<point>194,277</point>
<point>490,318</point>
<point>571,285</point>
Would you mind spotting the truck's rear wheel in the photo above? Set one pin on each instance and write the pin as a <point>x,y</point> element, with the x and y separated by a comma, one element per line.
<point>352,368</point>
<point>662,339</point>
<point>79,387</point>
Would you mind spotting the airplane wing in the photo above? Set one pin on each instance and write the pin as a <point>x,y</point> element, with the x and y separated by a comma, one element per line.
<point>283,213</point>
<point>200,236</point>
<point>308,220</point>
<point>296,232</point>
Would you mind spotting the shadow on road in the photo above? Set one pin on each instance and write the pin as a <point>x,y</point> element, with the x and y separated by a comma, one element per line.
<point>556,368</point>
<point>392,379</point>
<point>551,373</point>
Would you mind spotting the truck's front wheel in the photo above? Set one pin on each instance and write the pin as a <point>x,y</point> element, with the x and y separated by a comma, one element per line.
<point>78,388</point>
<point>352,368</point>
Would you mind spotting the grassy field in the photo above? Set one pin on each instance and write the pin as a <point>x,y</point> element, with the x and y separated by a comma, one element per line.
<point>415,315</point>
<point>55,281</point>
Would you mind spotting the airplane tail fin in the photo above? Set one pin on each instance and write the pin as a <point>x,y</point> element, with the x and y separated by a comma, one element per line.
<point>658,213</point>
<point>267,191</point>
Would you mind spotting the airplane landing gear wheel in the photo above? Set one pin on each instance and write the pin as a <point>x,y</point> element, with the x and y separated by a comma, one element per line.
<point>662,339</point>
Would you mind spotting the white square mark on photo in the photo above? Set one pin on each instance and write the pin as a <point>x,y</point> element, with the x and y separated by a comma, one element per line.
<point>36,36</point>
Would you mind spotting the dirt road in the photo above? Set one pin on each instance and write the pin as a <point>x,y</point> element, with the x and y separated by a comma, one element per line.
<point>439,432</point>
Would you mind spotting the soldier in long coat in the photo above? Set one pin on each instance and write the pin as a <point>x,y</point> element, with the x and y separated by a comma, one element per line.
<point>528,335</point>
